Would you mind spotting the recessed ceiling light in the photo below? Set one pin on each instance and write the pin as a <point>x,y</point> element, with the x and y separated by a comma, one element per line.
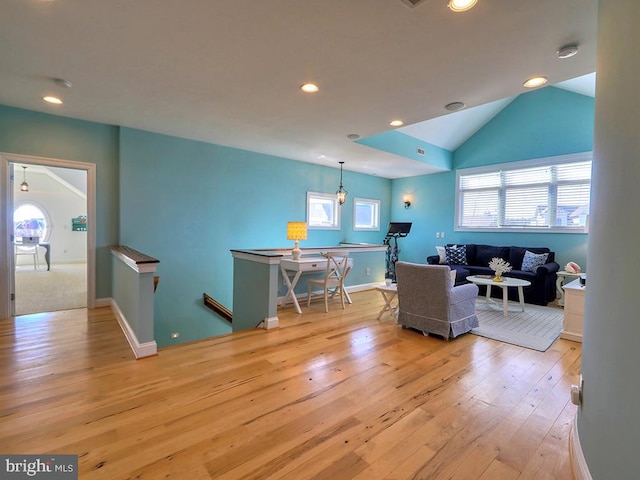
<point>353,136</point>
<point>454,106</point>
<point>534,82</point>
<point>53,100</point>
<point>396,123</point>
<point>309,88</point>
<point>461,5</point>
<point>568,51</point>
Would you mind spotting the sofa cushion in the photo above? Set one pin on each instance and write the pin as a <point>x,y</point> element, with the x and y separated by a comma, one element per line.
<point>477,270</point>
<point>456,255</point>
<point>523,275</point>
<point>442,254</point>
<point>516,255</point>
<point>532,261</point>
<point>484,254</point>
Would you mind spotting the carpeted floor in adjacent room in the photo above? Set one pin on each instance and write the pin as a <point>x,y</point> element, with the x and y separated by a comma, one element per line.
<point>64,287</point>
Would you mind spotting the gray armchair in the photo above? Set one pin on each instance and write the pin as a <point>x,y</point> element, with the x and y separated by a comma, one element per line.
<point>428,301</point>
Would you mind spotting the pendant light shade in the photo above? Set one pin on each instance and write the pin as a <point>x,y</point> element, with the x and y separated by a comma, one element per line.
<point>24,186</point>
<point>341,193</point>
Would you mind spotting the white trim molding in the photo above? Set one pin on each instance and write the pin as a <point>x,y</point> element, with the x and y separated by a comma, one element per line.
<point>353,288</point>
<point>7,279</point>
<point>578,462</point>
<point>140,350</point>
<point>271,322</point>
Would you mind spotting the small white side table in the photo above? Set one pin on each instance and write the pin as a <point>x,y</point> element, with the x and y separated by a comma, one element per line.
<point>562,278</point>
<point>389,293</point>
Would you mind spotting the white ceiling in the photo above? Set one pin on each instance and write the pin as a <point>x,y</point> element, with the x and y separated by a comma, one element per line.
<point>228,71</point>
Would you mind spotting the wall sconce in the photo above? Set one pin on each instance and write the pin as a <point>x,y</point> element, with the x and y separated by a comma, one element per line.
<point>296,231</point>
<point>24,186</point>
<point>341,193</point>
<point>407,201</point>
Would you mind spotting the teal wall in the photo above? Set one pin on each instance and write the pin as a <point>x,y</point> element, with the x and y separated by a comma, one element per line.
<point>542,123</point>
<point>189,203</point>
<point>39,134</point>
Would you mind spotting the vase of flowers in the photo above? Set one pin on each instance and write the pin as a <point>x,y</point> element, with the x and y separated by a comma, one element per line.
<point>500,266</point>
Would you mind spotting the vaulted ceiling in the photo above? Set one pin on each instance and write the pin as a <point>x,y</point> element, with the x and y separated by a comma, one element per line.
<point>229,71</point>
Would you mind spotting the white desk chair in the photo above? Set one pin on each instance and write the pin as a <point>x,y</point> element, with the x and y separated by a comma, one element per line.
<point>333,281</point>
<point>28,249</point>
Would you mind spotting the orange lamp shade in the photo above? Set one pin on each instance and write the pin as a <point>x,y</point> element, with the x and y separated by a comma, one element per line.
<point>296,230</point>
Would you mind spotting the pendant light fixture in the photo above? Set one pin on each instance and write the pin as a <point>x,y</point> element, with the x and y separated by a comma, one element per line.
<point>341,193</point>
<point>24,186</point>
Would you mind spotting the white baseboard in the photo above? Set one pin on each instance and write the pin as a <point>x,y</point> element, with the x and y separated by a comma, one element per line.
<point>364,286</point>
<point>271,322</point>
<point>578,462</point>
<point>103,302</point>
<point>575,337</point>
<point>353,288</point>
<point>140,350</point>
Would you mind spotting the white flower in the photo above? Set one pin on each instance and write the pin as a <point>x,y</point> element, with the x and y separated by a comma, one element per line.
<point>499,265</point>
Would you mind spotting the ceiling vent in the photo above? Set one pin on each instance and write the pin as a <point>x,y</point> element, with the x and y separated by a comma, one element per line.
<point>413,3</point>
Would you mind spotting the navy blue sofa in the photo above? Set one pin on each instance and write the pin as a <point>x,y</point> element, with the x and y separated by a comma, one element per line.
<point>543,281</point>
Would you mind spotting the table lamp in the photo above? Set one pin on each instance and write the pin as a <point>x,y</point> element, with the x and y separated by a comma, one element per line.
<point>296,231</point>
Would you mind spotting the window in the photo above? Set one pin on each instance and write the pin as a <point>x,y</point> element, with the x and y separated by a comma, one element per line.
<point>366,214</point>
<point>30,220</point>
<point>551,194</point>
<point>323,211</point>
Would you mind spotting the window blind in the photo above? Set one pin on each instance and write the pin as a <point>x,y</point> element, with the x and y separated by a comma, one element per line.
<point>530,196</point>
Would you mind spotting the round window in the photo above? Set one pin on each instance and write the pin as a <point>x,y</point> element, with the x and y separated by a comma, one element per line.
<point>30,220</point>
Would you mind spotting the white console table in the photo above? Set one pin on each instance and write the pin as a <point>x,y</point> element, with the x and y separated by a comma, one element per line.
<point>573,311</point>
<point>562,278</point>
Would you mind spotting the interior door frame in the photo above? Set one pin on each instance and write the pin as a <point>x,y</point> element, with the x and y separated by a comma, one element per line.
<point>7,273</point>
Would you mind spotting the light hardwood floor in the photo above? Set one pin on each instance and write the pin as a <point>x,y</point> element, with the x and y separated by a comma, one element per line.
<point>337,396</point>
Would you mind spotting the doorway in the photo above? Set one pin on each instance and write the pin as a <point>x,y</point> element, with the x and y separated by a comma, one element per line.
<point>48,262</point>
<point>50,238</point>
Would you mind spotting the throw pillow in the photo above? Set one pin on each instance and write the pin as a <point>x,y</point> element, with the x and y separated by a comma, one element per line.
<point>442,254</point>
<point>532,261</point>
<point>456,255</point>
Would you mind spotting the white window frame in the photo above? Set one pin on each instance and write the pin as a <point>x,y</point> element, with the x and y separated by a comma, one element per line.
<point>375,207</point>
<point>526,164</point>
<point>329,199</point>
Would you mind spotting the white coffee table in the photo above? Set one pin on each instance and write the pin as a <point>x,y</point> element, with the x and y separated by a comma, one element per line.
<point>505,284</point>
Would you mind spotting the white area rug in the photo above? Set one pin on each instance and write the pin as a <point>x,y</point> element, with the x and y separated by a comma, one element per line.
<point>62,288</point>
<point>536,328</point>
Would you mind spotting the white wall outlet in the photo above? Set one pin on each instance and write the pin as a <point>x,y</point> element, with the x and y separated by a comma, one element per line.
<point>175,335</point>
<point>437,234</point>
<point>368,271</point>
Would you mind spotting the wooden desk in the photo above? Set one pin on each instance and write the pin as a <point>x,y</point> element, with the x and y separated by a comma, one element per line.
<point>292,270</point>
